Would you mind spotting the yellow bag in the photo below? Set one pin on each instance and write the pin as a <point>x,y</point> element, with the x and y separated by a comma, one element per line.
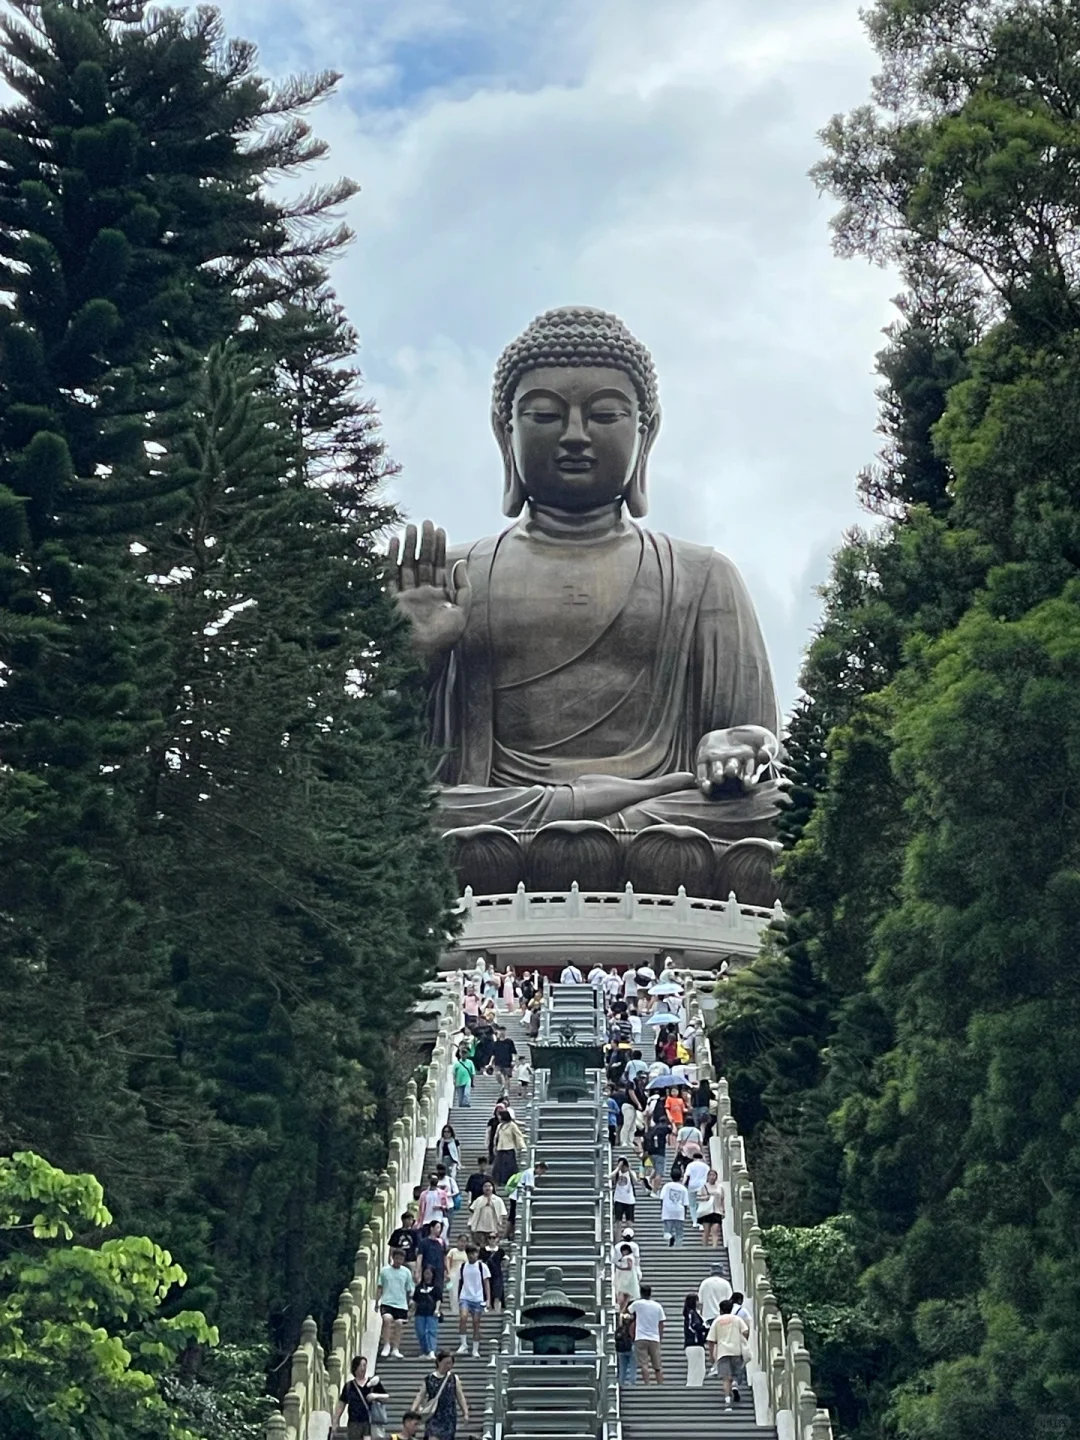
<point>682,1054</point>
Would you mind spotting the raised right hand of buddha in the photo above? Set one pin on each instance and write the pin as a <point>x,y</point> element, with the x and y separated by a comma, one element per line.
<point>436,603</point>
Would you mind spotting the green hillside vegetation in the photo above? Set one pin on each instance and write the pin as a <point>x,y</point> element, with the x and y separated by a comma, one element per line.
<point>906,1059</point>
<point>220,893</point>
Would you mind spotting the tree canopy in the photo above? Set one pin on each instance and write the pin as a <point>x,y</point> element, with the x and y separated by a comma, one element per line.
<point>918,1075</point>
<point>220,891</point>
<point>83,1336</point>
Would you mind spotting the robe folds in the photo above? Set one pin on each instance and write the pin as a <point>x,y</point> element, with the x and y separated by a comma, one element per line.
<point>673,652</point>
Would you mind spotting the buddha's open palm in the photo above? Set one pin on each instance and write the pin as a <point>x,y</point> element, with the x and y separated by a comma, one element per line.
<point>436,603</point>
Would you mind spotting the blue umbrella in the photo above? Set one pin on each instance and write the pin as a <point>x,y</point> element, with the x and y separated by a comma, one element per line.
<point>668,1082</point>
<point>662,1019</point>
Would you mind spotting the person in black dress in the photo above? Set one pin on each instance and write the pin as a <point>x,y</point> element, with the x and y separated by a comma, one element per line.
<point>358,1398</point>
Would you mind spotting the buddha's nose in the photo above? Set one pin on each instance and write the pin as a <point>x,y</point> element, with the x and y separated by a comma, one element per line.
<point>575,436</point>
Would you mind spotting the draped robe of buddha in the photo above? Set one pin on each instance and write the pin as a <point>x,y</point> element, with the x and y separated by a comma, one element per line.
<point>590,659</point>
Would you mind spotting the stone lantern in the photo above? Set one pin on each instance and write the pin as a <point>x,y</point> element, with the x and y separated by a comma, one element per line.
<point>549,1322</point>
<point>567,1062</point>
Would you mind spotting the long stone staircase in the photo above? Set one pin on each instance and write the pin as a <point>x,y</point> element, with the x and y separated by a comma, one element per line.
<point>674,1274</point>
<point>403,1378</point>
<point>513,1393</point>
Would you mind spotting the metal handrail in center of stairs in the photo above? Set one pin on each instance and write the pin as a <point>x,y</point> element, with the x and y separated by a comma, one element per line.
<point>541,1397</point>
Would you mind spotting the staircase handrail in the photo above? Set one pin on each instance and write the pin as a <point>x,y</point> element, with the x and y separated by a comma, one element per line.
<point>316,1379</point>
<point>778,1350</point>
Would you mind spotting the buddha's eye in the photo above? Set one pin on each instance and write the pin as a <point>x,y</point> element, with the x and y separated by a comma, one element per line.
<point>607,417</point>
<point>544,417</point>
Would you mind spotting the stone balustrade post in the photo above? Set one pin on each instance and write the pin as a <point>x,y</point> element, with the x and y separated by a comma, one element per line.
<point>521,902</point>
<point>295,1422</point>
<point>768,1330</point>
<point>779,1398</point>
<point>428,1103</point>
<point>275,1427</point>
<point>397,1141</point>
<point>821,1426</point>
<point>410,1115</point>
<point>316,1363</point>
<point>366,1260</point>
<point>301,1365</point>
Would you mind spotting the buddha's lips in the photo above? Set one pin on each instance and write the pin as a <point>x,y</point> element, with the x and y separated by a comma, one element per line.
<point>576,464</point>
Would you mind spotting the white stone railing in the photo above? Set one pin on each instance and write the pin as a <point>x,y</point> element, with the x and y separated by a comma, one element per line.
<point>575,919</point>
<point>783,1393</point>
<point>316,1380</point>
<point>695,1016</point>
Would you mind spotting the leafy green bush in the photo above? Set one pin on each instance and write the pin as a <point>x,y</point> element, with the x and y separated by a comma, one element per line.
<point>83,1343</point>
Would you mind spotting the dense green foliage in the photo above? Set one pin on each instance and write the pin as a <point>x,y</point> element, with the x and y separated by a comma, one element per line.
<point>909,1051</point>
<point>220,891</point>
<point>83,1340</point>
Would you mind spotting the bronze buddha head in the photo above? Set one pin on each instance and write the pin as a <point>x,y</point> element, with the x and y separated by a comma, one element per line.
<point>575,412</point>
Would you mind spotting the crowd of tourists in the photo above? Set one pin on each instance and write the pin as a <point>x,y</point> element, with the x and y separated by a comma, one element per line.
<point>664,1116</point>
<point>446,1262</point>
<point>447,1258</point>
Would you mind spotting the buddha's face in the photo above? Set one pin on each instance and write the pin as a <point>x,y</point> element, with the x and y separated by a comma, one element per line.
<point>574,435</point>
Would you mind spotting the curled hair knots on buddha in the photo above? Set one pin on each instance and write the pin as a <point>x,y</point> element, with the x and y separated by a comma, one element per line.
<point>576,335</point>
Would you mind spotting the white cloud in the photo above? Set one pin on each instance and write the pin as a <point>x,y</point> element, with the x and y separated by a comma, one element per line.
<point>648,158</point>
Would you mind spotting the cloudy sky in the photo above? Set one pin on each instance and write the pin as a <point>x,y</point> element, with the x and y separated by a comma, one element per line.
<point>646,156</point>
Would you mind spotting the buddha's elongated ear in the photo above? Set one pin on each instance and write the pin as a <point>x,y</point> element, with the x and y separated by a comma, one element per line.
<point>637,498</point>
<point>514,496</point>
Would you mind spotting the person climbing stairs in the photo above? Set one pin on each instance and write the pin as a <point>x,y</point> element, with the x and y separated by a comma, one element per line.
<point>403,1378</point>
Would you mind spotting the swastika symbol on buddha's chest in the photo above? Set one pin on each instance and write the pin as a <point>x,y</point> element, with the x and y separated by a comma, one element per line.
<point>575,595</point>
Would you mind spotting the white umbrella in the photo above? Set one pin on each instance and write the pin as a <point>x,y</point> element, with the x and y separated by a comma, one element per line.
<point>665,987</point>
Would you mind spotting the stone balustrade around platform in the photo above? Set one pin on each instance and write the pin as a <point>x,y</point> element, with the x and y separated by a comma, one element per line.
<point>316,1378</point>
<point>587,921</point>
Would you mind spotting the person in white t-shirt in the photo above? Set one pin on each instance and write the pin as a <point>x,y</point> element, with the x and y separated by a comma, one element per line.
<point>694,1177</point>
<point>474,1297</point>
<point>612,986</point>
<point>597,976</point>
<point>570,975</point>
<point>674,1201</point>
<point>648,1317</point>
<point>623,1191</point>
<point>712,1292</point>
<point>630,984</point>
<point>728,1335</point>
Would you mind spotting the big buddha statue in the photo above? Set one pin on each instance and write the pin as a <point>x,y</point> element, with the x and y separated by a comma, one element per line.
<point>585,671</point>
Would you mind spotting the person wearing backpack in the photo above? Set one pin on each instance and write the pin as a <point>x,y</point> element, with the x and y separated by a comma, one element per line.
<point>624,1349</point>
